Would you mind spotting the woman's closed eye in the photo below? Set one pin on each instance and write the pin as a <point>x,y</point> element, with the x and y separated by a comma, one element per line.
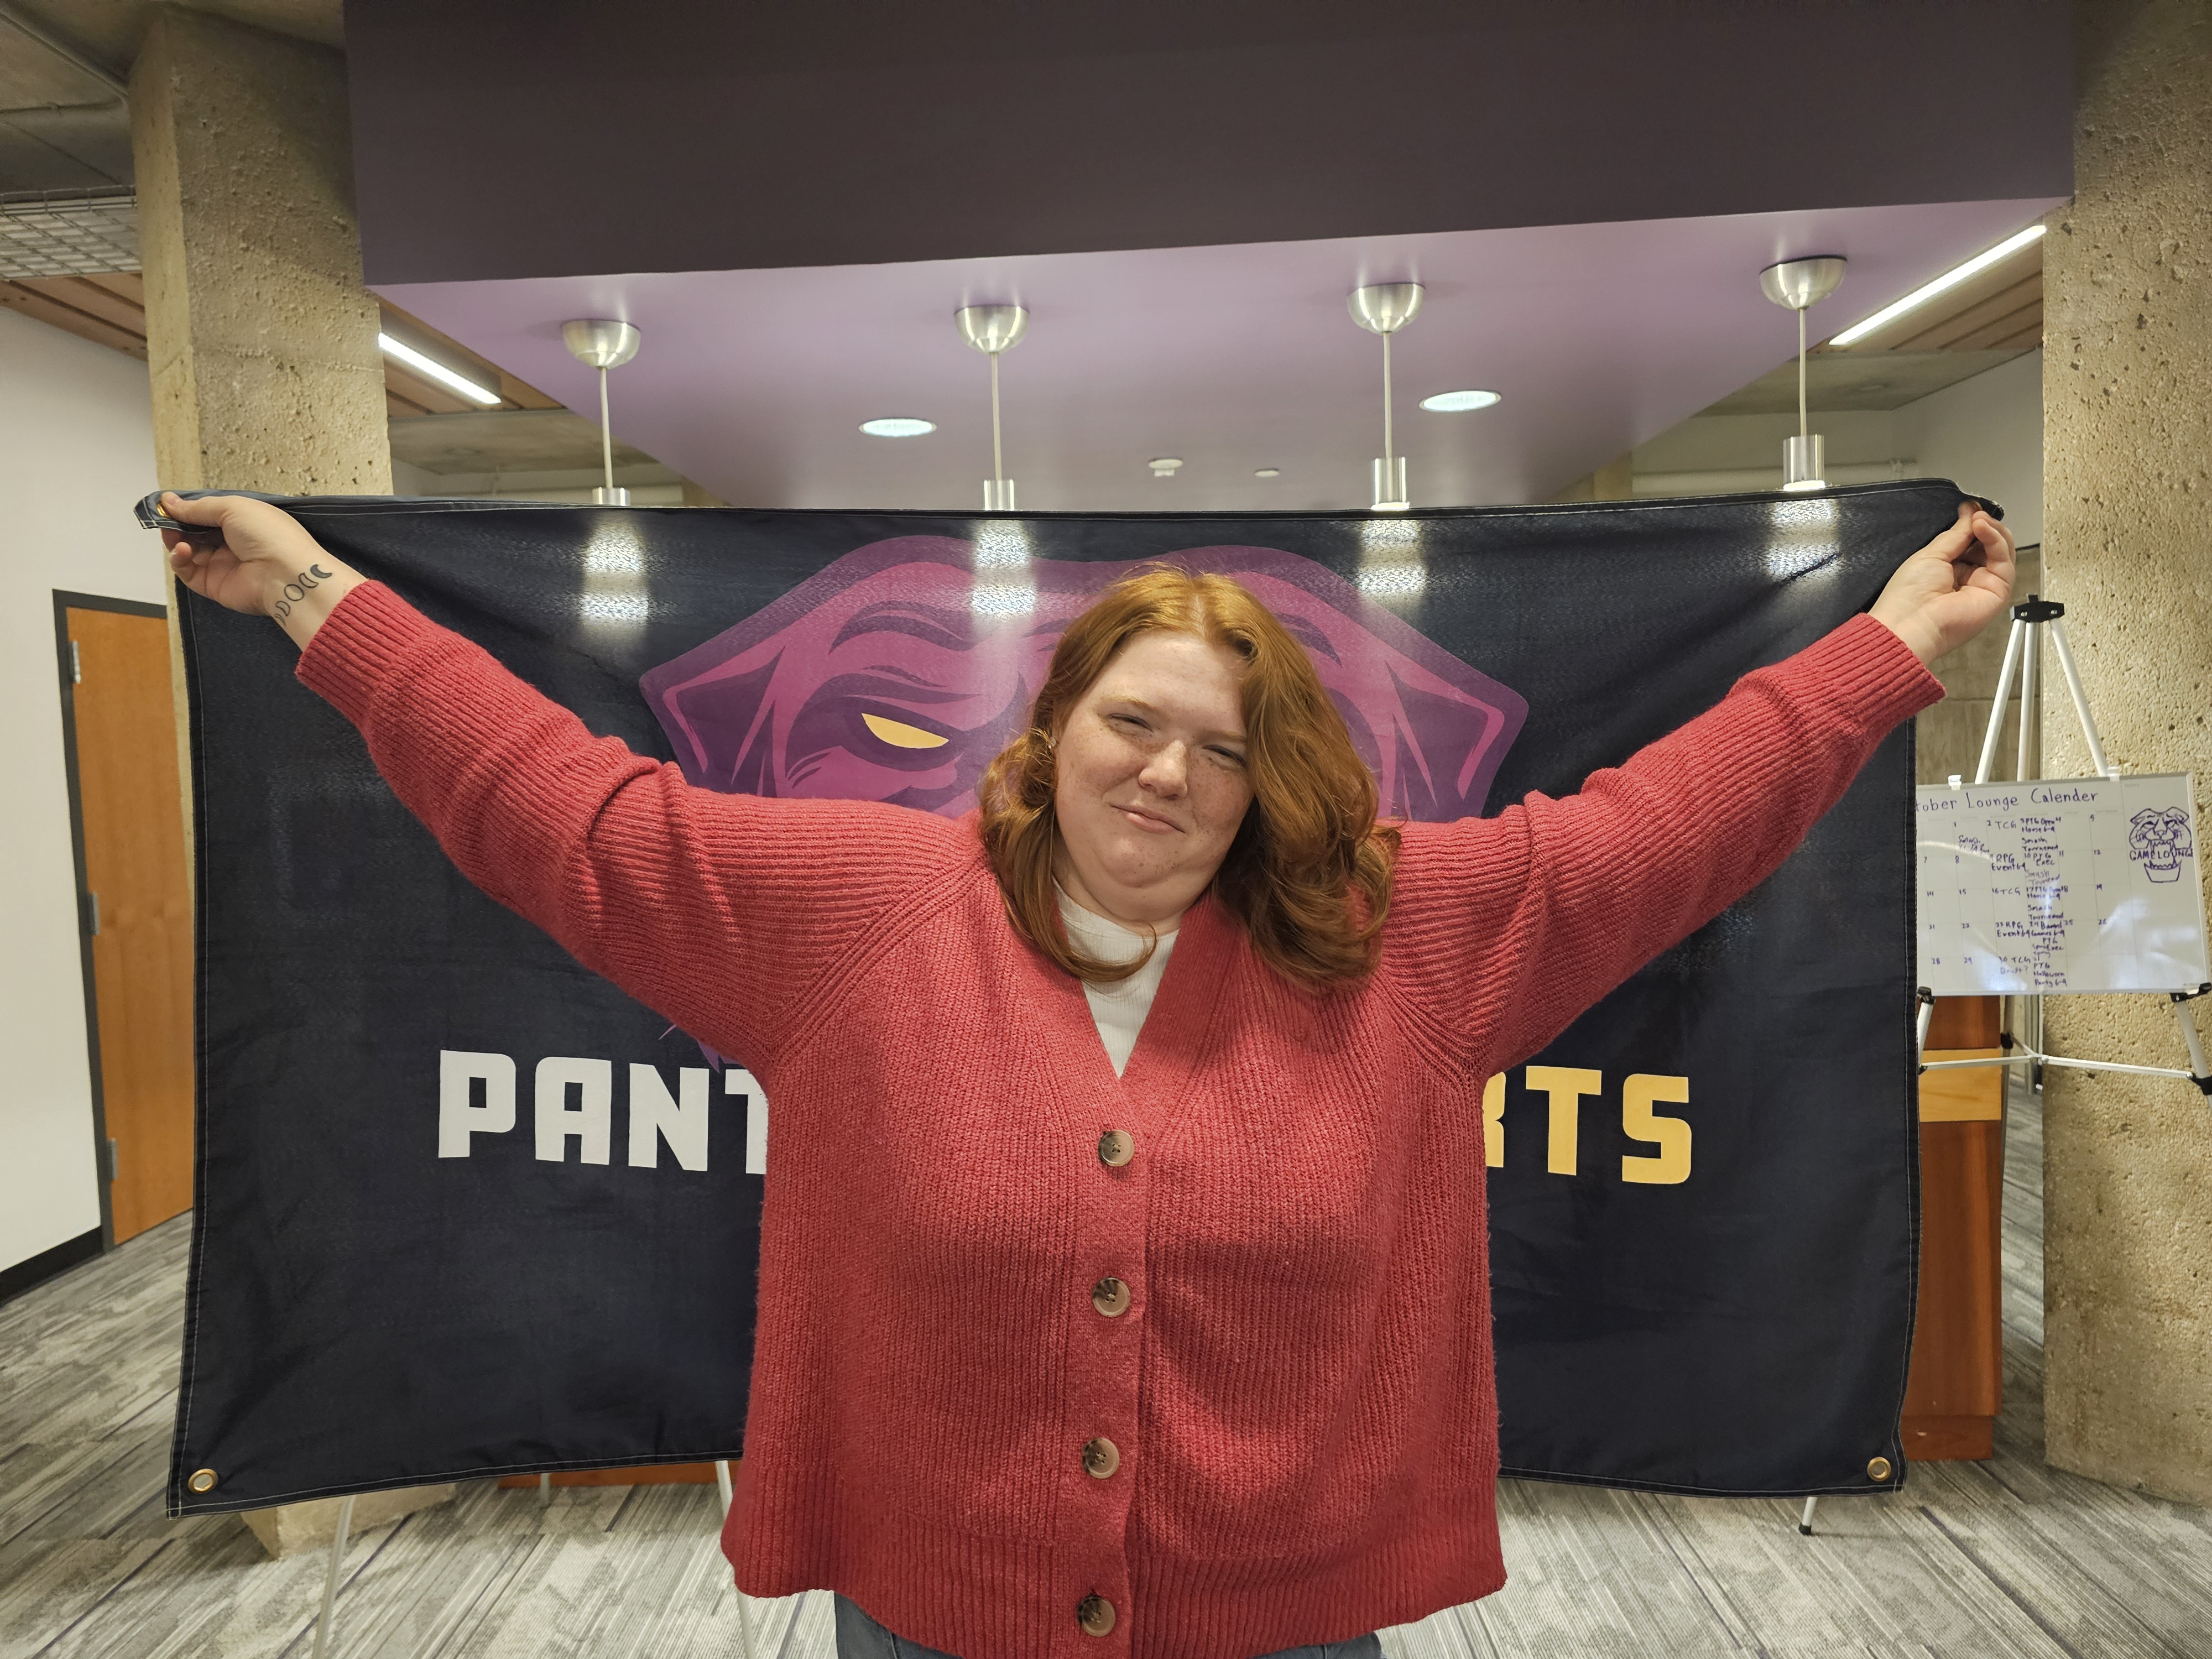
<point>1135,726</point>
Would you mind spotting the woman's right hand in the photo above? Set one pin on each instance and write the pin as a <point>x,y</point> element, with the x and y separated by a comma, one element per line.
<point>255,558</point>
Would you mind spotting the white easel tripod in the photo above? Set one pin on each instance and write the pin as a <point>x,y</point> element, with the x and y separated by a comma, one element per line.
<point>2033,620</point>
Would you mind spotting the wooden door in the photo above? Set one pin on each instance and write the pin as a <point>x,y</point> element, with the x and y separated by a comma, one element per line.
<point>135,906</point>
<point>1956,1387</point>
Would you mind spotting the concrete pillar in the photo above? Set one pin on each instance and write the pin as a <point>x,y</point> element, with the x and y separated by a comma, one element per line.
<point>2127,289</point>
<point>260,338</point>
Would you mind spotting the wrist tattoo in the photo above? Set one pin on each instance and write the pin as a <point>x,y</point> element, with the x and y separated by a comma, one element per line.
<point>298,588</point>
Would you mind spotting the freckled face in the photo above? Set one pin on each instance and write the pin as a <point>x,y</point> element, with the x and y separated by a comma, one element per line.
<point>1150,779</point>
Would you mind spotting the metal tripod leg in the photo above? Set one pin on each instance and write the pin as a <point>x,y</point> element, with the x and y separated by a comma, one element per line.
<point>2003,695</point>
<point>744,1602</point>
<point>2199,1073</point>
<point>2031,620</point>
<point>2104,767</point>
<point>331,1578</point>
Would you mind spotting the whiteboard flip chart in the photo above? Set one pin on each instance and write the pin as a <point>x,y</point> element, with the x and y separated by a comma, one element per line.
<point>2060,885</point>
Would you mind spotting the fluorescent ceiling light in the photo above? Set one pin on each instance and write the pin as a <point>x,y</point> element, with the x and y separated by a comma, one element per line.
<point>897,426</point>
<point>1928,291</point>
<point>437,370</point>
<point>1451,402</point>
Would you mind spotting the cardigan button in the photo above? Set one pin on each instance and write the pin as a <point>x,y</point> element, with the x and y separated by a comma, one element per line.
<point>1100,1457</point>
<point>1110,1297</point>
<point>1095,1614</point>
<point>1116,1147</point>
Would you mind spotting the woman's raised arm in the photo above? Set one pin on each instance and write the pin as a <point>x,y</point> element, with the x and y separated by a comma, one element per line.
<point>1511,926</point>
<point>251,557</point>
<point>715,910</point>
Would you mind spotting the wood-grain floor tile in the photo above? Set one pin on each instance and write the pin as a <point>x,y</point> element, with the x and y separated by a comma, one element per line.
<point>2006,1559</point>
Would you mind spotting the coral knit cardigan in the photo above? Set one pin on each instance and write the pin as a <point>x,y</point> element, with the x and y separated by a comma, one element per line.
<point>1300,1386</point>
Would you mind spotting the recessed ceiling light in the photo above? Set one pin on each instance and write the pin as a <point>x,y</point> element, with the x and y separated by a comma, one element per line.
<point>436,370</point>
<point>1928,291</point>
<point>1266,472</point>
<point>1163,466</point>
<point>1453,402</point>
<point>897,426</point>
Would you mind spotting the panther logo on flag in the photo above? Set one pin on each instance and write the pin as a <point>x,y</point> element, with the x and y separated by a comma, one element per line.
<point>897,674</point>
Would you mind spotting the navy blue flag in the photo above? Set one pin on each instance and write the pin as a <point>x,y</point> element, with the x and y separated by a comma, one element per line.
<point>464,1209</point>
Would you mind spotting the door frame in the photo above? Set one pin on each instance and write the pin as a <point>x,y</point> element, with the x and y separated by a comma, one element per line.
<point>65,601</point>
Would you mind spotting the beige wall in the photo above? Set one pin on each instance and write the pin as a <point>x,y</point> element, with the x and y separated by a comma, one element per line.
<point>2128,506</point>
<point>1985,435</point>
<point>77,450</point>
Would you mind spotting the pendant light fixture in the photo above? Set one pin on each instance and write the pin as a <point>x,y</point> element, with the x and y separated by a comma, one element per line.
<point>603,343</point>
<point>994,330</point>
<point>1798,284</point>
<point>1383,308</point>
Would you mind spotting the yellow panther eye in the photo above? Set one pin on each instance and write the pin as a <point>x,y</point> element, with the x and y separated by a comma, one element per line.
<point>900,735</point>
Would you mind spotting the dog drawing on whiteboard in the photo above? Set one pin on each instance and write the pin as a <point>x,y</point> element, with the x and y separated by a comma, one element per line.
<point>2159,838</point>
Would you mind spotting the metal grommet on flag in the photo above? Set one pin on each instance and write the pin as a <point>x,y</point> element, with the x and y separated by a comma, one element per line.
<point>202,1481</point>
<point>1878,1468</point>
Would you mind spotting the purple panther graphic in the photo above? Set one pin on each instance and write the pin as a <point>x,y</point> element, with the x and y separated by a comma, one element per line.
<point>897,674</point>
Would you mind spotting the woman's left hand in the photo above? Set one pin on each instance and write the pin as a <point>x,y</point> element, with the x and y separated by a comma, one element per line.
<point>1951,589</point>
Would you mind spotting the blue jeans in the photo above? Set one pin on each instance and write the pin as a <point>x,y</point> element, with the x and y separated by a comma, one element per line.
<point>859,1637</point>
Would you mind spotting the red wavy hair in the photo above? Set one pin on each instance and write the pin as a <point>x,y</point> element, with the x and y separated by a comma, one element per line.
<point>1309,873</point>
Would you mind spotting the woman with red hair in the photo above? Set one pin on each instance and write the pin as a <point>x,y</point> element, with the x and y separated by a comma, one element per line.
<point>1123,1257</point>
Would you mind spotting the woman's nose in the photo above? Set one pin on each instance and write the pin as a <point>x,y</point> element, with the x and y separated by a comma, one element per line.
<point>1165,772</point>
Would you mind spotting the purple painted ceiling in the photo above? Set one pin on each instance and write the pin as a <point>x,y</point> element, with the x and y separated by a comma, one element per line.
<point>754,383</point>
<point>501,138</point>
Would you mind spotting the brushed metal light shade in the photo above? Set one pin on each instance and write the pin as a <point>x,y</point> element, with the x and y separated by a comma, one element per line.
<point>1391,494</point>
<point>601,342</point>
<point>993,329</point>
<point>1385,307</point>
<point>1798,283</point>
<point>1804,463</point>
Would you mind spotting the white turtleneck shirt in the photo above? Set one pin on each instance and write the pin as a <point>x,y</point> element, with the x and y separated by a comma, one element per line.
<point>1117,1010</point>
